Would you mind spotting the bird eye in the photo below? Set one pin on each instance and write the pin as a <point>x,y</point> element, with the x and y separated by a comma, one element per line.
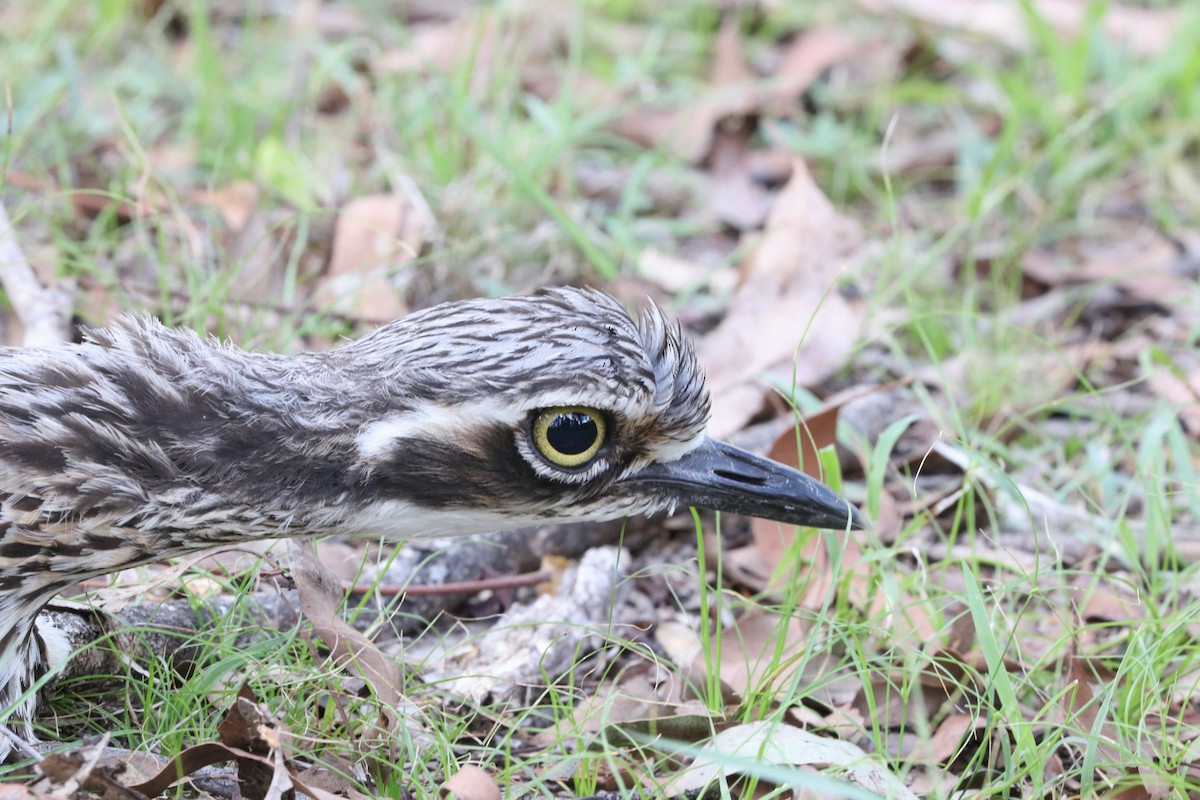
<point>568,436</point>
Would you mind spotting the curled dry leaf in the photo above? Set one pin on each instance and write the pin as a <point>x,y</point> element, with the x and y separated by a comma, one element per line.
<point>320,598</point>
<point>248,726</point>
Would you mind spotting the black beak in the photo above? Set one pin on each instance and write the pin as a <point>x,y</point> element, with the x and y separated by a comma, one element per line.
<point>722,477</point>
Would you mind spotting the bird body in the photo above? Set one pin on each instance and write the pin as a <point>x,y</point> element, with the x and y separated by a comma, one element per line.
<point>146,442</point>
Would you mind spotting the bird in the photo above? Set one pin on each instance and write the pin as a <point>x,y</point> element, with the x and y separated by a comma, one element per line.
<point>145,442</point>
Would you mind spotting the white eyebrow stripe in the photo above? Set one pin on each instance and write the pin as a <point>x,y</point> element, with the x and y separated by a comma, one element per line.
<point>429,420</point>
<point>377,439</point>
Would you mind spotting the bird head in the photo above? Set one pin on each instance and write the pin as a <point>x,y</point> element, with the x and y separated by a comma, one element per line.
<point>556,407</point>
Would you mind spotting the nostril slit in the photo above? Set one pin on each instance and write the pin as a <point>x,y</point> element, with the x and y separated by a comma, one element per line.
<point>738,477</point>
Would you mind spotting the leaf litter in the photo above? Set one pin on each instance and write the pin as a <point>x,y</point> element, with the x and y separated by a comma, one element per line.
<point>781,286</point>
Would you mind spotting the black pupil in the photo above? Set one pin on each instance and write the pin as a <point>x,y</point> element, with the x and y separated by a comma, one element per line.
<point>572,433</point>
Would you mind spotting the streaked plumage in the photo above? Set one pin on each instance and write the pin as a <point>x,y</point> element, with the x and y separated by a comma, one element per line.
<point>146,442</point>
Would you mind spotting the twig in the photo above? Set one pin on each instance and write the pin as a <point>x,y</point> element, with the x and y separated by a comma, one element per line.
<point>461,587</point>
<point>19,744</point>
<point>45,313</point>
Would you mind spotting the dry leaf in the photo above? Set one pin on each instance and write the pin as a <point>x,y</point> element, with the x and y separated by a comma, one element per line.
<point>320,598</point>
<point>688,131</point>
<point>171,156</point>
<point>799,451</point>
<point>735,91</point>
<point>808,55</point>
<point>471,783</point>
<point>754,645</point>
<point>676,275</point>
<point>757,567</point>
<point>738,200</point>
<point>679,641</point>
<point>248,726</point>
<point>1143,263</point>
<point>1182,393</point>
<point>376,236</point>
<point>19,791</point>
<point>523,33</point>
<point>739,748</point>
<point>1145,31</point>
<point>1105,599</point>
<point>947,739</point>
<point>235,202</point>
<point>652,701</point>
<point>787,315</point>
<point>1081,709</point>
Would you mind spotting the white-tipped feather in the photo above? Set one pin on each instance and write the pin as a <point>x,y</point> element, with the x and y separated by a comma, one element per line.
<point>146,442</point>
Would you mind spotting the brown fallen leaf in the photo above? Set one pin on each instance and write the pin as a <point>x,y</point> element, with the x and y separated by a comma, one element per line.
<point>523,33</point>
<point>947,739</point>
<point>375,236</point>
<point>1181,391</point>
<point>1079,705</point>
<point>648,700</point>
<point>252,239</point>
<point>320,597</point>
<point>1145,31</point>
<point>738,200</point>
<point>758,652</point>
<point>786,316</point>
<point>234,201</point>
<point>676,275</point>
<point>80,772</point>
<point>806,57</point>
<point>471,783</point>
<point>248,726</point>
<point>1142,262</point>
<point>1102,598</point>
<point>206,754</point>
<point>19,791</point>
<point>735,91</point>
<point>941,684</point>
<point>797,450</point>
<point>687,132</point>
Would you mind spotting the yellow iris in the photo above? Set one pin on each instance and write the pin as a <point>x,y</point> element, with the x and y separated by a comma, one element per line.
<point>568,436</point>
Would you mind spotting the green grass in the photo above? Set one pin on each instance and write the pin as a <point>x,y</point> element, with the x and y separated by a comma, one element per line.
<point>1065,146</point>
